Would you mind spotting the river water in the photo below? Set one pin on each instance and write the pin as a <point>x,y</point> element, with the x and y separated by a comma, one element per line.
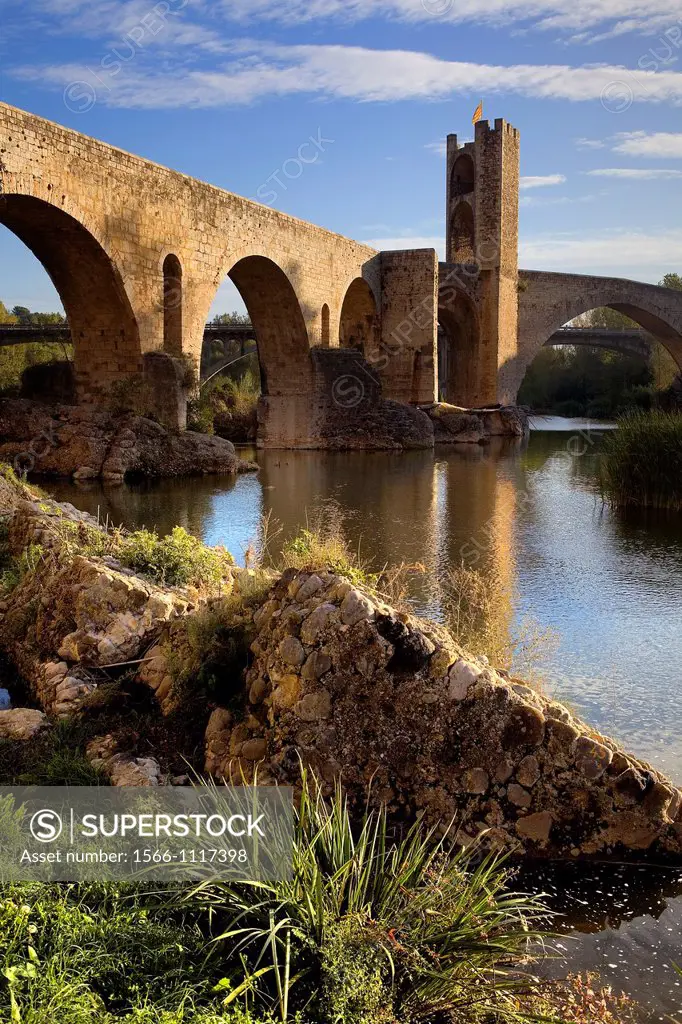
<point>529,517</point>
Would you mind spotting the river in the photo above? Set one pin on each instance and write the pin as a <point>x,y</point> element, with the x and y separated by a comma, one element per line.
<point>530,518</point>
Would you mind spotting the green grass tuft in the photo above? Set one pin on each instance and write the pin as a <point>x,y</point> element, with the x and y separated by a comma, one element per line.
<point>641,464</point>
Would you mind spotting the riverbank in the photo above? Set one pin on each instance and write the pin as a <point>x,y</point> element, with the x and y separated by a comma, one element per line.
<point>80,599</point>
<point>90,443</point>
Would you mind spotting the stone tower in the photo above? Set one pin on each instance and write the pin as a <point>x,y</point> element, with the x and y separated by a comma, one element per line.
<point>483,233</point>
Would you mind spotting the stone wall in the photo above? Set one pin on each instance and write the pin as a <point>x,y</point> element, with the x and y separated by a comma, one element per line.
<point>335,678</point>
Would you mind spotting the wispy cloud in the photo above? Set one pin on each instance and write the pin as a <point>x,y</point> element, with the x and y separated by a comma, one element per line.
<point>260,70</point>
<point>582,17</point>
<point>527,201</point>
<point>437,148</point>
<point>654,144</point>
<point>629,254</point>
<point>635,173</point>
<point>542,181</point>
<point>590,144</point>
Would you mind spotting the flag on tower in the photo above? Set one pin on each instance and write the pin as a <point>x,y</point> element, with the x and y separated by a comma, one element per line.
<point>478,113</point>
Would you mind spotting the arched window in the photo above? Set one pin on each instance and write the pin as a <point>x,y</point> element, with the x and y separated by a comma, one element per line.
<point>324,331</point>
<point>463,176</point>
<point>172,305</point>
<point>462,237</point>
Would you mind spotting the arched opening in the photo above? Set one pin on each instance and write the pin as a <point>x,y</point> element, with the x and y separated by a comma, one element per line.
<point>358,326</point>
<point>275,313</point>
<point>172,305</point>
<point>462,235</point>
<point>324,327</point>
<point>463,176</point>
<point>264,382</point>
<point>104,331</point>
<point>458,350</point>
<point>600,364</point>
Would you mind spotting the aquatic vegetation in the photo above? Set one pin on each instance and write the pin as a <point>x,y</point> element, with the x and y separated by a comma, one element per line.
<point>641,464</point>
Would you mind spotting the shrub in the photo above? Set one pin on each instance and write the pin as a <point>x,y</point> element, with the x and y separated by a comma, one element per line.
<point>323,545</point>
<point>175,560</point>
<point>641,463</point>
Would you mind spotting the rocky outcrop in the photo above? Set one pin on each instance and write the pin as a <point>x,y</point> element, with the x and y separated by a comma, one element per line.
<point>22,724</point>
<point>336,679</point>
<point>122,768</point>
<point>79,612</point>
<point>393,707</point>
<point>453,425</point>
<point>88,442</point>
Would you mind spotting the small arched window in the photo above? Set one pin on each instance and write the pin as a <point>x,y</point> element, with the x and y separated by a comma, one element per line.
<point>324,330</point>
<point>172,305</point>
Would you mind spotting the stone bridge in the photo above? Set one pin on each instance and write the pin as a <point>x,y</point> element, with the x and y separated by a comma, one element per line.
<point>631,342</point>
<point>137,253</point>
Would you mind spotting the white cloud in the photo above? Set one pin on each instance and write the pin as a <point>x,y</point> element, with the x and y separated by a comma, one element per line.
<point>634,255</point>
<point>258,70</point>
<point>590,144</point>
<point>527,201</point>
<point>635,173</point>
<point>630,254</point>
<point>542,181</point>
<point>655,144</point>
<point>581,17</point>
<point>439,148</point>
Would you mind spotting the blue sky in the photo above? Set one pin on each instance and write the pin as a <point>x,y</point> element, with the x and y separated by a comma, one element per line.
<point>229,91</point>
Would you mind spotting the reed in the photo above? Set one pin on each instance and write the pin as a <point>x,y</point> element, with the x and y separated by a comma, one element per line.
<point>641,464</point>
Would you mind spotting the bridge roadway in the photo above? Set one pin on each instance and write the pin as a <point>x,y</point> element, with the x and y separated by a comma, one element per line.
<point>632,342</point>
<point>53,334</point>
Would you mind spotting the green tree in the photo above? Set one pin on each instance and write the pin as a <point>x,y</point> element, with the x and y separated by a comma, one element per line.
<point>672,281</point>
<point>605,318</point>
<point>22,313</point>
<point>224,319</point>
<point>5,316</point>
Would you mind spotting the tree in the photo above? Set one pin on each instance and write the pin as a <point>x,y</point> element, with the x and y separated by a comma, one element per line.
<point>5,316</point>
<point>24,316</point>
<point>225,319</point>
<point>672,281</point>
<point>605,318</point>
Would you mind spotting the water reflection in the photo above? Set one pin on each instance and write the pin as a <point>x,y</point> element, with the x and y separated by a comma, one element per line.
<point>531,519</point>
<point>621,920</point>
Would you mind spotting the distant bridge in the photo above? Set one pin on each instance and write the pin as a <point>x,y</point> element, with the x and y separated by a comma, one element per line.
<point>60,334</point>
<point>632,342</point>
<point>53,334</point>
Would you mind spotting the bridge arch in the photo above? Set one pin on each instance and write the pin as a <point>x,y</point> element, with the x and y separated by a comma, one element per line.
<point>458,346</point>
<point>359,321</point>
<point>104,329</point>
<point>548,301</point>
<point>278,323</point>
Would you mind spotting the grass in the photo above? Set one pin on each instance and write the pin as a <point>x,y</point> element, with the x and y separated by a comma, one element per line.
<point>177,559</point>
<point>54,758</point>
<point>641,463</point>
<point>372,929</point>
<point>375,929</point>
<point>478,610</point>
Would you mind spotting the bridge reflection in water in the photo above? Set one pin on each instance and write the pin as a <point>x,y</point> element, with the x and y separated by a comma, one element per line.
<point>529,518</point>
